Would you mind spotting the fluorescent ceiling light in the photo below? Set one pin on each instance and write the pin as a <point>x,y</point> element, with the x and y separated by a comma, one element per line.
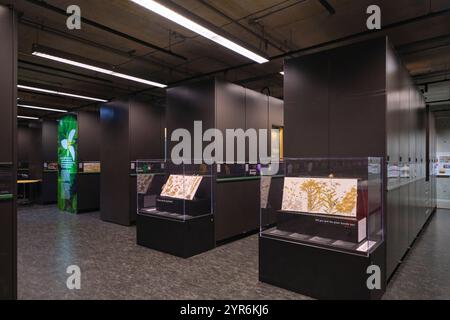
<point>41,108</point>
<point>97,69</point>
<point>60,93</point>
<point>28,118</point>
<point>195,27</point>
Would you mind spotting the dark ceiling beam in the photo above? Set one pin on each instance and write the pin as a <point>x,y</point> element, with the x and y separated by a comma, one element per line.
<point>53,74</point>
<point>128,55</point>
<point>257,78</point>
<point>59,75</point>
<point>97,25</point>
<point>369,33</point>
<point>106,83</point>
<point>433,74</point>
<point>438,101</point>
<point>433,82</point>
<point>328,6</point>
<point>265,15</point>
<point>413,45</point>
<point>64,71</point>
<point>233,21</point>
<point>319,47</point>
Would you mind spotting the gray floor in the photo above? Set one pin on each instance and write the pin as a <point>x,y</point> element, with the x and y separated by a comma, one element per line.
<point>425,273</point>
<point>114,267</point>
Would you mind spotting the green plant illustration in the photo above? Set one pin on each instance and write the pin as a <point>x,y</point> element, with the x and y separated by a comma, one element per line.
<point>67,163</point>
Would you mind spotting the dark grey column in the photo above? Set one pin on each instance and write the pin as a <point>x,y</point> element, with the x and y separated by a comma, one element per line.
<point>8,139</point>
<point>130,130</point>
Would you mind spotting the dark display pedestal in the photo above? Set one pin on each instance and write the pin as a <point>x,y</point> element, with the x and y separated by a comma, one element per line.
<point>339,228</point>
<point>182,238</point>
<point>88,192</point>
<point>318,272</point>
<point>194,208</point>
<point>49,187</point>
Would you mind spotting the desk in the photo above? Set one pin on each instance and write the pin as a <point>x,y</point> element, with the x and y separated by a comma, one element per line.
<point>25,184</point>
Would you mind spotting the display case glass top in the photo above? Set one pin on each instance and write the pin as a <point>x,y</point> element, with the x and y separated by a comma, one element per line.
<point>172,191</point>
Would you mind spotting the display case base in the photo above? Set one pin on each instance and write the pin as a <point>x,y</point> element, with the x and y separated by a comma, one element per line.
<point>180,237</point>
<point>317,272</point>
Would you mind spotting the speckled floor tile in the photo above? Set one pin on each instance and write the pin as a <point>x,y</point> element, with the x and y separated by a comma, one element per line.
<point>425,271</point>
<point>114,267</point>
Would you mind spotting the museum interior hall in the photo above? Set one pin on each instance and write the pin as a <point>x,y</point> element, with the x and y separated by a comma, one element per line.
<point>224,150</point>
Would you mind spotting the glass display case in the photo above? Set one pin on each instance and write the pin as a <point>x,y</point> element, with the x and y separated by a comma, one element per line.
<point>329,203</point>
<point>179,192</point>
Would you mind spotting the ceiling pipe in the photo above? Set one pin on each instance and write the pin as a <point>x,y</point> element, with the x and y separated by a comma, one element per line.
<point>128,55</point>
<point>265,15</point>
<point>328,6</point>
<point>318,47</point>
<point>261,38</point>
<point>97,25</point>
<point>37,65</point>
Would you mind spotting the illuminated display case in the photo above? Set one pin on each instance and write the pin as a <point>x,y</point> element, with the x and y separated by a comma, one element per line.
<point>327,208</point>
<point>175,207</point>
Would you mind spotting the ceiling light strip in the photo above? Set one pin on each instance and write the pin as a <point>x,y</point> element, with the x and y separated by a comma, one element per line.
<point>27,118</point>
<point>41,108</point>
<point>195,27</point>
<point>97,69</point>
<point>60,93</point>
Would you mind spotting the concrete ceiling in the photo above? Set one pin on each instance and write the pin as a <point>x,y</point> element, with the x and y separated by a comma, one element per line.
<point>154,48</point>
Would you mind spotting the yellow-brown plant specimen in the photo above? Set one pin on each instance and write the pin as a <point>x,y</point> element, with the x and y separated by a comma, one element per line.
<point>328,199</point>
<point>313,189</point>
<point>348,201</point>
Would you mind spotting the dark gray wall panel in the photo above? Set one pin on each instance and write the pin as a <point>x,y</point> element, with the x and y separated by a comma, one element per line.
<point>88,136</point>
<point>306,94</point>
<point>29,150</point>
<point>357,102</point>
<point>130,130</point>
<point>393,231</point>
<point>146,131</point>
<point>237,208</point>
<point>50,141</point>
<point>189,103</point>
<point>8,140</point>
<point>230,110</point>
<point>256,115</point>
<point>393,108</point>
<point>355,132</point>
<point>276,112</point>
<point>115,151</point>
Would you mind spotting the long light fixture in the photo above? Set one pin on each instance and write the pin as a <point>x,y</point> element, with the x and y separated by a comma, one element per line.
<point>41,108</point>
<point>27,118</point>
<point>195,27</point>
<point>96,69</point>
<point>60,93</point>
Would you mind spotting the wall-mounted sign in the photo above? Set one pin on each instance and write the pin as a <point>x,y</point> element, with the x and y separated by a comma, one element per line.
<point>91,167</point>
<point>68,163</point>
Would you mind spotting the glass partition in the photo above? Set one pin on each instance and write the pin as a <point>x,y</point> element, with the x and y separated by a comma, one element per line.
<point>331,203</point>
<point>172,191</point>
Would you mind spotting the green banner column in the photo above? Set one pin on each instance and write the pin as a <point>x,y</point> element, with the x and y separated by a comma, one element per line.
<point>68,163</point>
